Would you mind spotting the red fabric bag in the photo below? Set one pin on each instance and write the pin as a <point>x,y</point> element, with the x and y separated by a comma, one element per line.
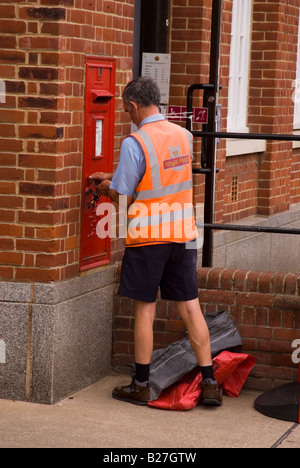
<point>231,372</point>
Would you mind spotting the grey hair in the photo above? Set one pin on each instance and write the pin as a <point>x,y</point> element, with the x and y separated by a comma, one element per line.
<point>144,91</point>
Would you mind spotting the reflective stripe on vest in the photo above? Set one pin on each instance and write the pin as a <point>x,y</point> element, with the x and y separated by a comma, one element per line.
<point>152,157</point>
<point>155,219</point>
<point>163,191</point>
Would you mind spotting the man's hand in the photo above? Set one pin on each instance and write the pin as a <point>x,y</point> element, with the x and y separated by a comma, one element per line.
<point>103,188</point>
<point>99,177</point>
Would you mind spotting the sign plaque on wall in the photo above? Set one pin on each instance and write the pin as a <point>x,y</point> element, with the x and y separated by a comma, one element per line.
<point>158,67</point>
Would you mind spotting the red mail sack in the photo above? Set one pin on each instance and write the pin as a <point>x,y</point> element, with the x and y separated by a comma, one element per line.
<point>231,372</point>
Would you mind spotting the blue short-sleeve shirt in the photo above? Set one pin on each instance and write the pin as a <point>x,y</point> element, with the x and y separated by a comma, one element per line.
<point>132,164</point>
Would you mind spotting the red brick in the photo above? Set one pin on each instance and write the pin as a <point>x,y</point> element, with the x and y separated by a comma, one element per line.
<point>274,318</point>
<point>290,286</point>
<point>11,258</point>
<point>33,131</point>
<point>257,332</point>
<point>6,273</point>
<point>278,282</point>
<point>287,302</point>
<point>39,218</point>
<point>37,274</point>
<point>239,282</point>
<point>11,202</point>
<point>217,297</point>
<point>38,161</point>
<point>286,335</point>
<point>265,282</point>
<point>12,56</point>
<point>43,13</point>
<point>38,102</point>
<point>12,27</point>
<point>50,260</point>
<point>254,299</point>
<point>52,232</point>
<point>36,189</point>
<point>227,279</point>
<point>11,230</point>
<point>36,245</point>
<point>253,280</point>
<point>203,277</point>
<point>214,278</point>
<point>7,188</point>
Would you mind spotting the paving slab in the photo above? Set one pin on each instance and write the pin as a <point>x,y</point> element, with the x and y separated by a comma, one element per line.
<point>93,419</point>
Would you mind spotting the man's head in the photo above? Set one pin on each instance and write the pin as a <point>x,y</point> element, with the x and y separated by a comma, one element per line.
<point>141,96</point>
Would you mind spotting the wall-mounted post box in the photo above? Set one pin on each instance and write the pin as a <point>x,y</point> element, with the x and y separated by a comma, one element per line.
<point>97,154</point>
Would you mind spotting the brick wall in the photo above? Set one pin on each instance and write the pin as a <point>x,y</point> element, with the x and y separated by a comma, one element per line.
<point>240,187</point>
<point>265,306</point>
<point>44,45</point>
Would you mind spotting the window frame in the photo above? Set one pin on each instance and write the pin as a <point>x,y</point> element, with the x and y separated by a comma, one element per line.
<point>296,96</point>
<point>238,90</point>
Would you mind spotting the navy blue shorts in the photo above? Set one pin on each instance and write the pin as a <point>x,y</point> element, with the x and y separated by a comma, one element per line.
<point>170,267</point>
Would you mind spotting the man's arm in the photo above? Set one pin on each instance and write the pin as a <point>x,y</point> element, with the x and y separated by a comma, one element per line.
<point>130,170</point>
<point>104,189</point>
<point>99,177</point>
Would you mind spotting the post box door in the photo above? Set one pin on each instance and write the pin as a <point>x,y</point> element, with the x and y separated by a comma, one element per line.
<point>97,155</point>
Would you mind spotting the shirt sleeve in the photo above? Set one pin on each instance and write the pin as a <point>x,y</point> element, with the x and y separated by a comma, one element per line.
<point>131,168</point>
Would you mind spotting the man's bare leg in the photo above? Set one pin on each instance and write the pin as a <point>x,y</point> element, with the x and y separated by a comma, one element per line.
<point>143,331</point>
<point>191,314</point>
<point>199,337</point>
<point>138,392</point>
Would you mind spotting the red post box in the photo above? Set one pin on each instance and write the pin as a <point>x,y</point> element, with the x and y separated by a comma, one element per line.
<point>97,154</point>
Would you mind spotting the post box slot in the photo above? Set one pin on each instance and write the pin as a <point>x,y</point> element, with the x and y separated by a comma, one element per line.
<point>101,96</point>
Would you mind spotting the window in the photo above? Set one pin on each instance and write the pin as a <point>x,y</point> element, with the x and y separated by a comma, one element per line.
<point>296,96</point>
<point>239,66</point>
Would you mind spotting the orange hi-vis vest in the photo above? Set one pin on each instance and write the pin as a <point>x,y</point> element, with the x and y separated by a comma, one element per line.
<point>163,211</point>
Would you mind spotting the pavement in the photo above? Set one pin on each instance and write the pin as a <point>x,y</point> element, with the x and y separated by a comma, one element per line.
<point>91,418</point>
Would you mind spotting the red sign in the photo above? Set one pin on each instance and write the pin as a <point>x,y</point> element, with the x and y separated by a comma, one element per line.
<point>179,114</point>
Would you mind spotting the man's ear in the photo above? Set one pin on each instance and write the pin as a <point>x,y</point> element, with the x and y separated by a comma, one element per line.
<point>132,106</point>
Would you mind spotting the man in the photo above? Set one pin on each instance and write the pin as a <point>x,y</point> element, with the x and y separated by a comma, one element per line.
<point>155,174</point>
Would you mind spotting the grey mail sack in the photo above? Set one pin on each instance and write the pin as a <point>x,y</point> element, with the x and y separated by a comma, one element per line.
<point>170,364</point>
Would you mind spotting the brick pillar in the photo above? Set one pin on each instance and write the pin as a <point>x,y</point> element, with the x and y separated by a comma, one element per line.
<point>43,66</point>
<point>55,323</point>
<point>41,181</point>
<point>273,70</point>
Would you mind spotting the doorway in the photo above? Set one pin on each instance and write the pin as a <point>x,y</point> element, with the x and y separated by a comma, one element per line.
<point>151,30</point>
